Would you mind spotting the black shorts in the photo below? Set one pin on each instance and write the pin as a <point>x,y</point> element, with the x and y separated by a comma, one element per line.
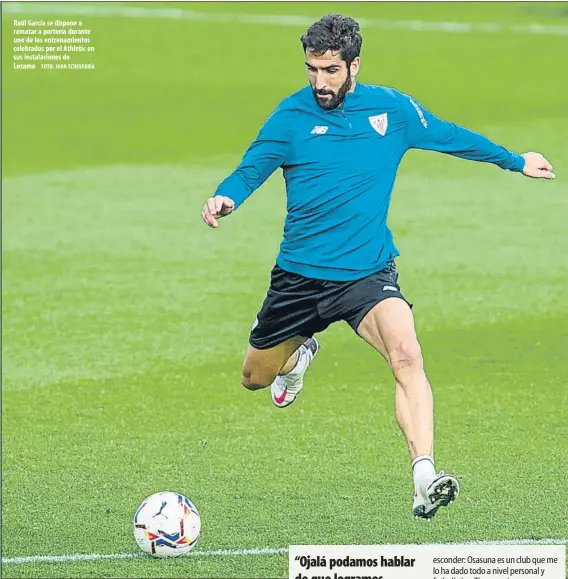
<point>300,306</point>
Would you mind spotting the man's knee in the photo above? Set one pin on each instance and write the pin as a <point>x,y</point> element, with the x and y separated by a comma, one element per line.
<point>406,360</point>
<point>253,379</point>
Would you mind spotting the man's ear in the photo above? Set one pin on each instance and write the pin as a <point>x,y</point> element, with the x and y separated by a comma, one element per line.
<point>355,65</point>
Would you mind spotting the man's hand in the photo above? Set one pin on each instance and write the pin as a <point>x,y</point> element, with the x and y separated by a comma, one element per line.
<point>217,206</point>
<point>537,167</point>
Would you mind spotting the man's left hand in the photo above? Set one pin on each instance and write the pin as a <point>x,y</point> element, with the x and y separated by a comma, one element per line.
<point>537,167</point>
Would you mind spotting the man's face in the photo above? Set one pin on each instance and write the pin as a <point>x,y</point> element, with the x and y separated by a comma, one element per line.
<point>329,77</point>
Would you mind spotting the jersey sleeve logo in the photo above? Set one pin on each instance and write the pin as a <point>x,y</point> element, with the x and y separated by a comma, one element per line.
<point>380,123</point>
<point>420,113</point>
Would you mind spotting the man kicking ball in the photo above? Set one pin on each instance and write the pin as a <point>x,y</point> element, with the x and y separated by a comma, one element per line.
<point>339,144</point>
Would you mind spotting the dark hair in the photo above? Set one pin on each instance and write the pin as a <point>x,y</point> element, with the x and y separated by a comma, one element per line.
<point>334,32</point>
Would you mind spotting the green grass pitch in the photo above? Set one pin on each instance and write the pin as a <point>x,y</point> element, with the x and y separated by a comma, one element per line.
<point>125,319</point>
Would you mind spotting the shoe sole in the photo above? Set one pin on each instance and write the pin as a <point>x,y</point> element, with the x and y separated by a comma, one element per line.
<point>442,494</point>
<point>296,397</point>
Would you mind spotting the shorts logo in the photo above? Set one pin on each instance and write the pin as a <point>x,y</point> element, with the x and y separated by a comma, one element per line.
<point>389,288</point>
<point>255,323</point>
<point>380,123</point>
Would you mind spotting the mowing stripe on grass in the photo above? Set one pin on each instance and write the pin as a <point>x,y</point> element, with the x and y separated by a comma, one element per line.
<point>275,19</point>
<point>238,552</point>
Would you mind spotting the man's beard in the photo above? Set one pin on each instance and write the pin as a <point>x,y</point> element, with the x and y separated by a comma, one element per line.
<point>336,99</point>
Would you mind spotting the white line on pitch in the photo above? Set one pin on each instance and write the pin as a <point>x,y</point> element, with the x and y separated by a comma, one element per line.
<point>73,9</point>
<point>97,557</point>
<point>239,552</point>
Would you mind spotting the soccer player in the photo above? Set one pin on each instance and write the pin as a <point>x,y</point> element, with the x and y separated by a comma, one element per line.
<point>339,144</point>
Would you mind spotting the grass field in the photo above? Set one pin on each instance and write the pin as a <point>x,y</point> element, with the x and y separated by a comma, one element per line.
<point>125,319</point>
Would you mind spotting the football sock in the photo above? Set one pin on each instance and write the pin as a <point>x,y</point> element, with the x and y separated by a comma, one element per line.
<point>301,362</point>
<point>423,469</point>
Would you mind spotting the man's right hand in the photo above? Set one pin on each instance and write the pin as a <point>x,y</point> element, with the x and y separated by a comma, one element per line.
<point>216,207</point>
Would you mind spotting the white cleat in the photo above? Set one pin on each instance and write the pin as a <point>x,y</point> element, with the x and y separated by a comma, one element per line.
<point>285,389</point>
<point>439,492</point>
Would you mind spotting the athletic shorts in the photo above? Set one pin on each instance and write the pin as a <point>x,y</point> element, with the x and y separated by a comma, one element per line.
<point>300,306</point>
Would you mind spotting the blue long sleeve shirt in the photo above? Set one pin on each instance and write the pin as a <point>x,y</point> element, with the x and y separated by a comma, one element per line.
<point>339,167</point>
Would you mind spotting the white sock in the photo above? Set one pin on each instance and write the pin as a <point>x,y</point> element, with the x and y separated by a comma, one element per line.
<point>423,469</point>
<point>301,362</point>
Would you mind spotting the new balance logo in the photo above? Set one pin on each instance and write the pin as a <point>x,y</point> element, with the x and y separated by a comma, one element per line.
<point>319,130</point>
<point>389,288</point>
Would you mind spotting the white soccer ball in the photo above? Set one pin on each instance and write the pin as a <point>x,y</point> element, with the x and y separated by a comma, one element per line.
<point>167,525</point>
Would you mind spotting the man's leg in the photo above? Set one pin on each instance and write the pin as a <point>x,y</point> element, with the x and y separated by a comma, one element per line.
<point>389,328</point>
<point>261,367</point>
<point>281,367</point>
<point>281,342</point>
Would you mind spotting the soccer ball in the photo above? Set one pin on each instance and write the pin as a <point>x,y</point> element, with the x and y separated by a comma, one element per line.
<point>167,525</point>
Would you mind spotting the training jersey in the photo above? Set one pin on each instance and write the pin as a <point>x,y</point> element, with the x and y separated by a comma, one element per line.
<point>339,167</point>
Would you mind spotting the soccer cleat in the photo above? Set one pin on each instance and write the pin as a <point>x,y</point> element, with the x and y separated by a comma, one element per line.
<point>285,389</point>
<point>441,492</point>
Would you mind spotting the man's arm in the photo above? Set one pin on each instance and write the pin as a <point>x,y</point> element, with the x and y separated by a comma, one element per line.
<point>426,131</point>
<point>265,154</point>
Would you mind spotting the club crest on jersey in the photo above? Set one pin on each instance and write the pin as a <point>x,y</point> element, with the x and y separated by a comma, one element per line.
<point>380,123</point>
